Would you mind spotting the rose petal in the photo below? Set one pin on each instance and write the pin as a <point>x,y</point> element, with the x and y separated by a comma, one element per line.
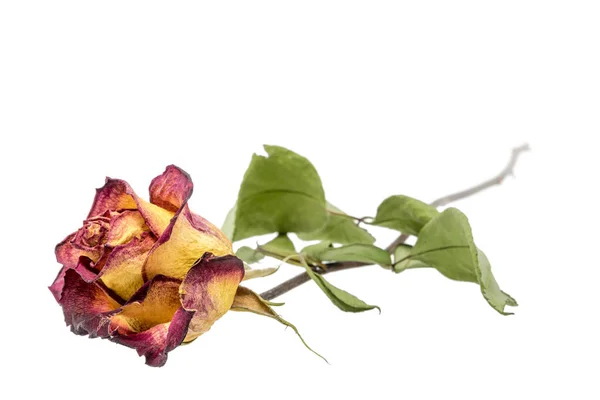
<point>209,289</point>
<point>117,195</point>
<point>157,341</point>
<point>157,218</point>
<point>153,304</point>
<point>122,272</point>
<point>153,321</point>
<point>82,268</point>
<point>68,255</point>
<point>59,283</point>
<point>88,241</point>
<point>171,189</point>
<point>204,225</point>
<point>84,304</point>
<point>85,269</point>
<point>126,226</point>
<point>114,195</point>
<point>180,246</point>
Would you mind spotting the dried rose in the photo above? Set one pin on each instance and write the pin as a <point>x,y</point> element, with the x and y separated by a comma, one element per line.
<point>148,275</point>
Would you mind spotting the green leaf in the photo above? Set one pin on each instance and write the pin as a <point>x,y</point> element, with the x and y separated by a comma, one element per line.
<point>280,247</point>
<point>404,214</point>
<point>446,243</point>
<point>246,300</point>
<point>342,299</point>
<point>249,255</point>
<point>279,193</point>
<point>490,288</point>
<point>314,250</point>
<point>403,261</point>
<point>339,229</point>
<point>229,223</point>
<point>357,252</point>
<point>251,273</point>
<point>273,303</point>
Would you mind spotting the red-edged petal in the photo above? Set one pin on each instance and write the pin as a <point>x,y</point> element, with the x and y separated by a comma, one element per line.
<point>181,245</point>
<point>153,304</point>
<point>119,271</point>
<point>209,289</point>
<point>84,304</point>
<point>122,272</point>
<point>171,189</point>
<point>203,225</point>
<point>88,242</point>
<point>117,195</point>
<point>158,341</point>
<point>113,196</point>
<point>83,268</point>
<point>153,321</point>
<point>68,255</point>
<point>59,283</point>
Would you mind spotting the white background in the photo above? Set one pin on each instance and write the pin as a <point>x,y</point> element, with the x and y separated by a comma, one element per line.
<point>419,98</point>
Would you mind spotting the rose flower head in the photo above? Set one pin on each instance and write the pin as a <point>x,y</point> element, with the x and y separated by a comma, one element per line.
<point>148,275</point>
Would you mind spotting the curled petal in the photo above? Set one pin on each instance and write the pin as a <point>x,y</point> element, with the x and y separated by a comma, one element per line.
<point>122,272</point>
<point>153,321</point>
<point>157,341</point>
<point>84,304</point>
<point>93,232</point>
<point>83,268</point>
<point>171,189</point>
<point>125,226</point>
<point>117,195</point>
<point>68,255</point>
<point>180,246</point>
<point>59,283</point>
<point>209,289</point>
<point>88,242</point>
<point>118,272</point>
<point>153,304</point>
<point>114,195</point>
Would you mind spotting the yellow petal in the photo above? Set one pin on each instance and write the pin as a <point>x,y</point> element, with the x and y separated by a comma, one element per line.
<point>208,290</point>
<point>154,304</point>
<point>181,246</point>
<point>124,227</point>
<point>122,272</point>
<point>157,218</point>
